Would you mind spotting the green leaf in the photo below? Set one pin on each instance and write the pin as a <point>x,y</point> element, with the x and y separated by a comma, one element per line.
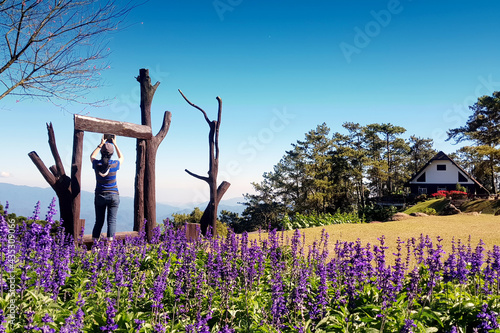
<point>371,330</point>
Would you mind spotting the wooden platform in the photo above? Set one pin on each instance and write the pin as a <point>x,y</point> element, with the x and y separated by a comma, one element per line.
<point>87,239</point>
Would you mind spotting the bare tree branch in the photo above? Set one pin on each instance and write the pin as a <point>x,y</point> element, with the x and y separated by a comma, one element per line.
<point>197,176</point>
<point>53,147</point>
<point>196,106</point>
<point>217,126</point>
<point>55,50</point>
<point>167,119</point>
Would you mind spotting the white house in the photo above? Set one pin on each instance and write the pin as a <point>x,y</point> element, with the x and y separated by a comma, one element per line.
<point>442,173</point>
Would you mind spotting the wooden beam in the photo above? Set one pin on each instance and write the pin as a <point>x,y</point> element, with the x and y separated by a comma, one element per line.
<point>105,126</point>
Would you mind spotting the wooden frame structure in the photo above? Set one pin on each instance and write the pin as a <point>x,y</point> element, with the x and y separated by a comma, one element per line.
<point>68,188</point>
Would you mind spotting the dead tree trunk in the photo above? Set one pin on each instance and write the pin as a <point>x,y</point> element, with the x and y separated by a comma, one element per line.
<point>139,185</point>
<point>76,176</point>
<point>62,184</point>
<point>146,162</point>
<point>205,218</point>
<point>209,217</point>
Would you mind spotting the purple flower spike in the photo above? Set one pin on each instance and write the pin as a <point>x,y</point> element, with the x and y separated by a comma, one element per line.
<point>110,315</point>
<point>36,212</point>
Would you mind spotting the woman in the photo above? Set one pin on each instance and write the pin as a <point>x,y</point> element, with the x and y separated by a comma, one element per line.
<point>106,190</point>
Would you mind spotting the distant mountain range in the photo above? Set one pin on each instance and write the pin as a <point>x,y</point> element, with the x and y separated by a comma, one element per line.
<point>22,201</point>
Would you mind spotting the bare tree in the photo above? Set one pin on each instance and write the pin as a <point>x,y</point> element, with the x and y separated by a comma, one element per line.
<point>209,217</point>
<point>145,181</point>
<point>55,49</point>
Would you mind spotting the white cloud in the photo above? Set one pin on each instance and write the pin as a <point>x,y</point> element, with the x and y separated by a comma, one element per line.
<point>5,174</point>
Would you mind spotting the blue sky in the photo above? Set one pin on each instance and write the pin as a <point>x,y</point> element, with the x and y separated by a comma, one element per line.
<point>281,68</point>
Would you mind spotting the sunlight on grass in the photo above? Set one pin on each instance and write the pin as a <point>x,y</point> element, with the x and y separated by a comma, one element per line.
<point>485,227</point>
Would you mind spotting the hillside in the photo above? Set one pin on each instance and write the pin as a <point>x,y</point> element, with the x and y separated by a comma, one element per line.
<point>483,206</point>
<point>437,204</point>
<point>480,206</point>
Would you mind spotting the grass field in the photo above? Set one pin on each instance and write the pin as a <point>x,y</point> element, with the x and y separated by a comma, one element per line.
<point>437,204</point>
<point>484,226</point>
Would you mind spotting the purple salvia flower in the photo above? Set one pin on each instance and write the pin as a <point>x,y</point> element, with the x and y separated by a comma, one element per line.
<point>434,263</point>
<point>225,329</point>
<point>46,328</point>
<point>408,326</point>
<point>489,319</point>
<point>110,316</point>
<point>74,323</point>
<point>321,298</point>
<point>139,324</point>
<point>2,321</point>
<point>29,318</point>
<point>477,259</point>
<point>492,271</point>
<point>36,213</point>
<point>49,217</point>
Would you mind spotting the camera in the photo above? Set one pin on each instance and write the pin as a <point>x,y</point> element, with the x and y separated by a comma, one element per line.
<point>109,137</point>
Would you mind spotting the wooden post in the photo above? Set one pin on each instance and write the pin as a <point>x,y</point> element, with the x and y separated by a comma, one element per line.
<point>139,185</point>
<point>148,160</point>
<point>209,217</point>
<point>76,181</point>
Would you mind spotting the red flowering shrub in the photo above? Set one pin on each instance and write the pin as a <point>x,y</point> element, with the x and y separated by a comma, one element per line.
<point>439,194</point>
<point>449,194</point>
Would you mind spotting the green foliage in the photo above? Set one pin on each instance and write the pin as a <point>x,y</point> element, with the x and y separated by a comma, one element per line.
<point>193,217</point>
<point>429,211</point>
<point>436,204</point>
<point>481,205</point>
<point>325,173</point>
<point>460,187</point>
<point>421,198</point>
<point>300,221</point>
<point>221,228</point>
<point>378,212</point>
<point>236,283</point>
<point>483,129</point>
<point>233,221</point>
<point>179,220</point>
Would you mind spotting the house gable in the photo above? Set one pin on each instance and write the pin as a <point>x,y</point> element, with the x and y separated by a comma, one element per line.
<point>441,172</point>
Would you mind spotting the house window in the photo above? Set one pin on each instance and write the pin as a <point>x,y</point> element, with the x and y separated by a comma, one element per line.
<point>461,178</point>
<point>421,179</point>
<point>422,190</point>
<point>441,167</point>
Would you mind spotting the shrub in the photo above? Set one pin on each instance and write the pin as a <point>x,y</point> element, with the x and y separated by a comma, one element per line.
<point>458,195</point>
<point>221,229</point>
<point>439,195</point>
<point>460,188</point>
<point>178,221</point>
<point>450,194</point>
<point>421,197</point>
<point>378,213</point>
<point>429,211</point>
<point>300,221</point>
